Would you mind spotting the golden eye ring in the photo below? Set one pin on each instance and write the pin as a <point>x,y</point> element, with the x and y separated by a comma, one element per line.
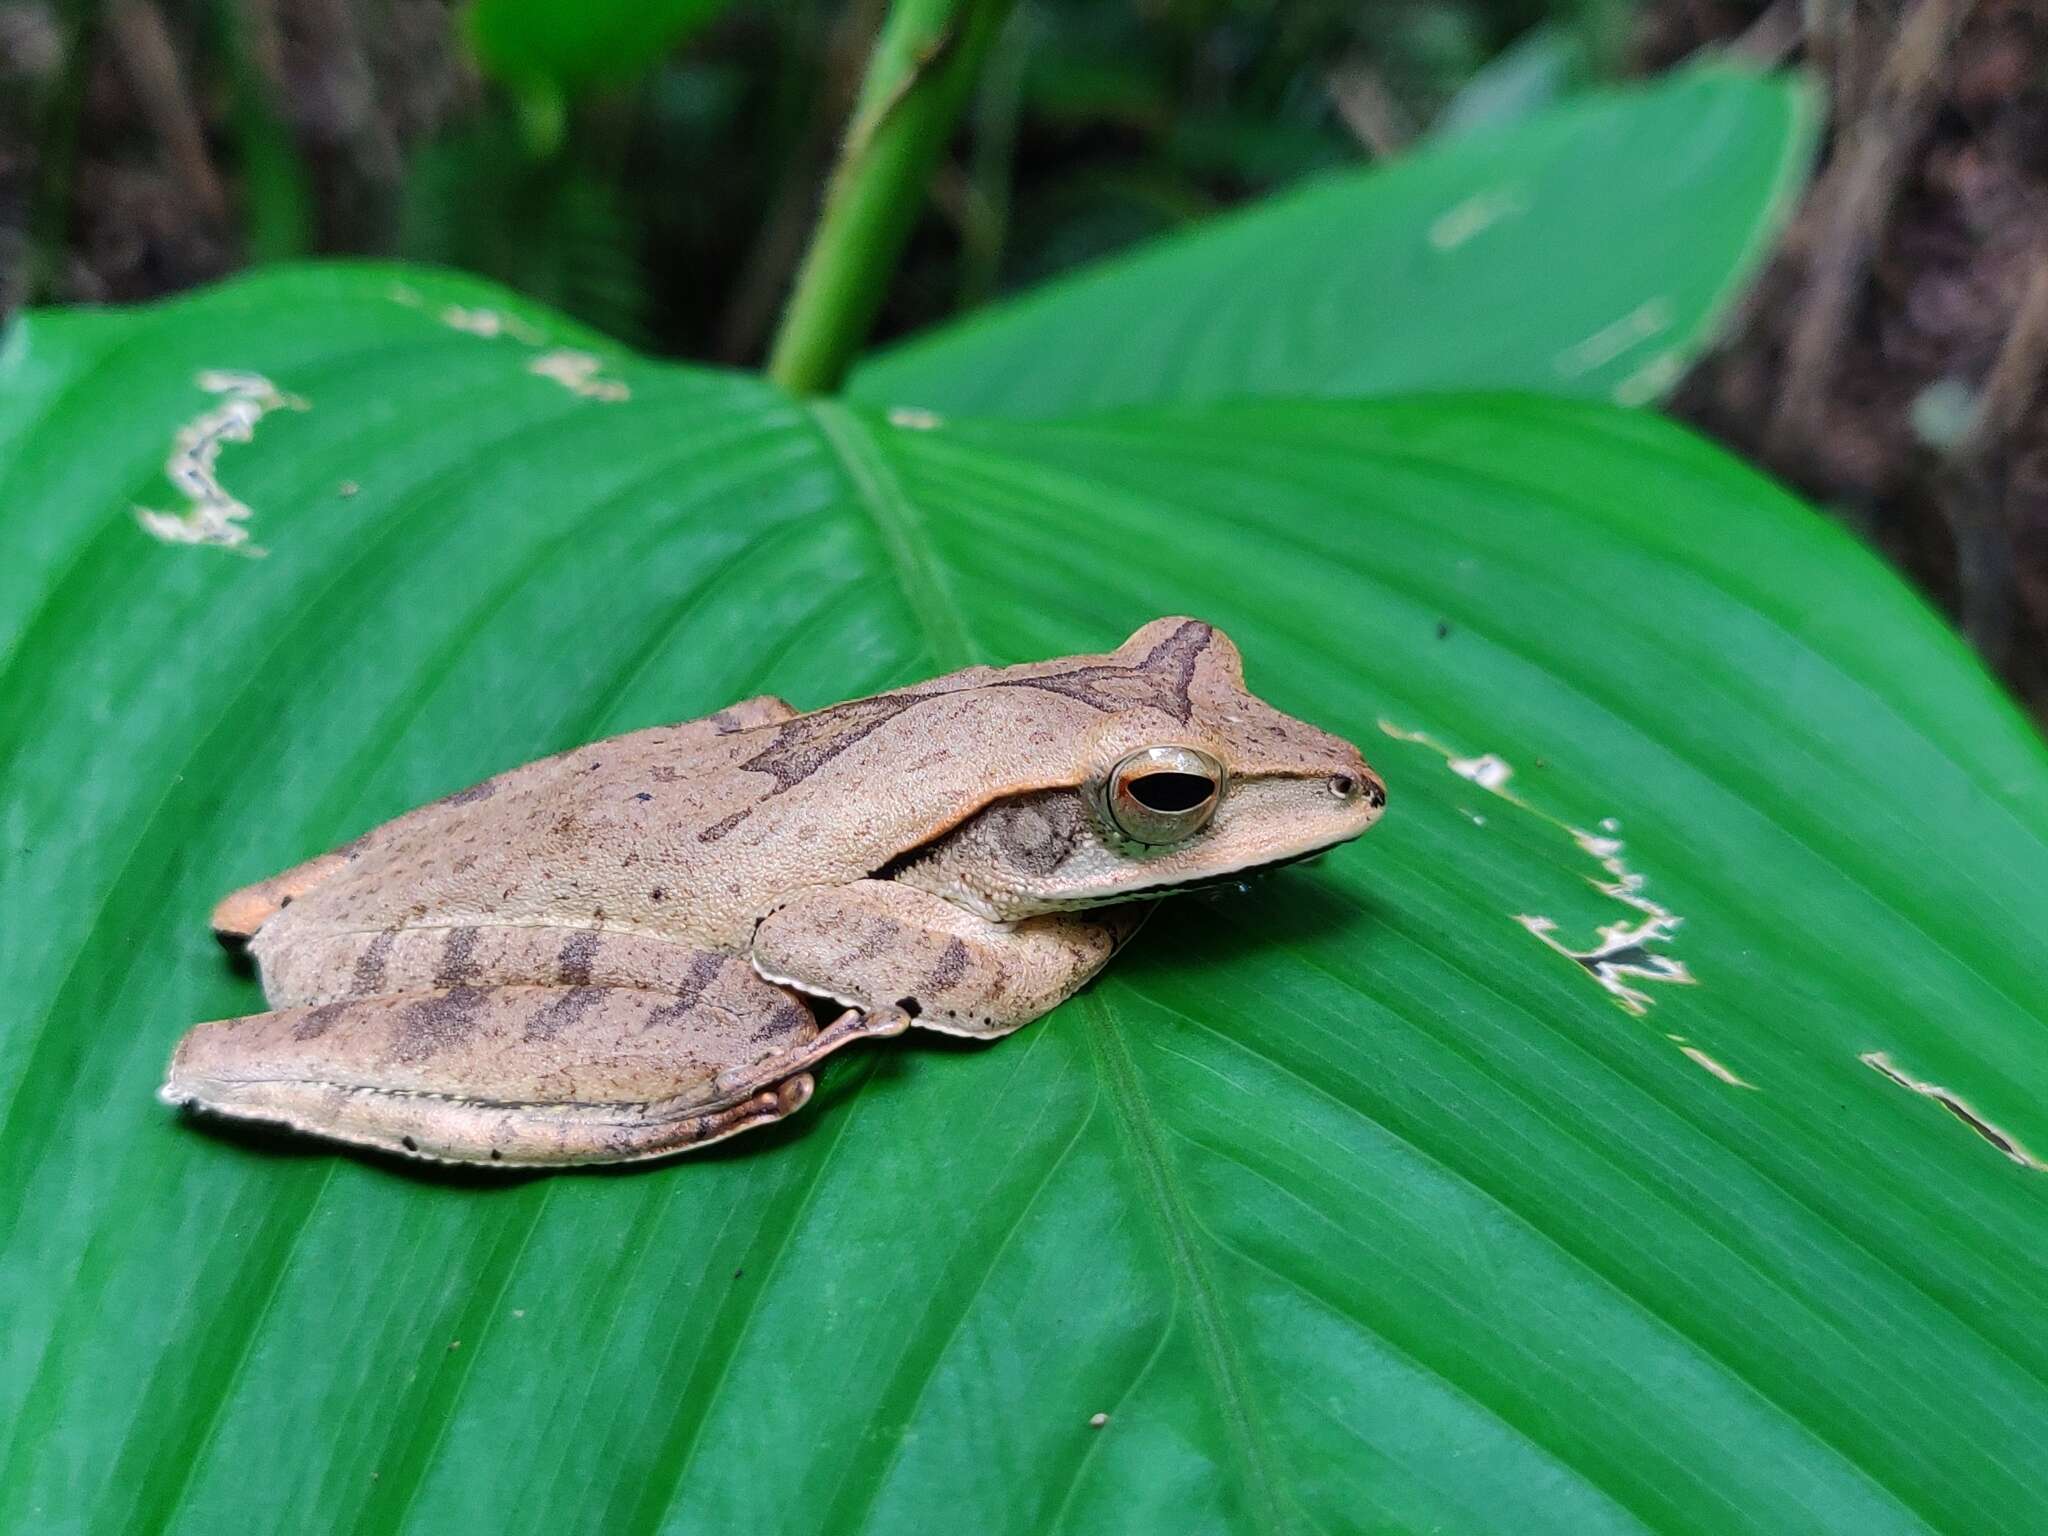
<point>1163,795</point>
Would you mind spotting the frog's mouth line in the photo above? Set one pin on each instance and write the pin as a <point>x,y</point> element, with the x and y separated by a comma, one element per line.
<point>1225,881</point>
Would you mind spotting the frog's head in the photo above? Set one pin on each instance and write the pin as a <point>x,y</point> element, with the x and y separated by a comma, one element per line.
<point>1179,777</point>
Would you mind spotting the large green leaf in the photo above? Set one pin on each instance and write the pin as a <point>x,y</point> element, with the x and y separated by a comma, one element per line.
<point>1352,1202</point>
<point>1589,251</point>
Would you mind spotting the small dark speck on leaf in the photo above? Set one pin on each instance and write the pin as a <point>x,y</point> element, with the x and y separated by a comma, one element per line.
<point>1443,629</point>
<point>737,1273</point>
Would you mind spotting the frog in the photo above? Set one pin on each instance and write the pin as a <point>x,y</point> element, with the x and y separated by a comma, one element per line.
<point>649,944</point>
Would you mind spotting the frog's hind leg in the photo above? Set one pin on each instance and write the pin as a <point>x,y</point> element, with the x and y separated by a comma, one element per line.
<point>520,1076</point>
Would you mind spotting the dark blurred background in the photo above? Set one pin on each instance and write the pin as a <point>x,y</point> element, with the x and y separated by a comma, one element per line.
<point>653,168</point>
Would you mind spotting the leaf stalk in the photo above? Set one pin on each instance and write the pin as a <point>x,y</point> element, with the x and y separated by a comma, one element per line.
<point>924,63</point>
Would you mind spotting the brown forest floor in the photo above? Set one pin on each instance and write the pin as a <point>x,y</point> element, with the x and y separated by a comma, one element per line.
<point>1889,362</point>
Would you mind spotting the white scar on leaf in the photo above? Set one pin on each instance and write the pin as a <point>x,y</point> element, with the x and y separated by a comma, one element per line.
<point>1622,960</point>
<point>1478,213</point>
<point>214,515</point>
<point>2005,1141</point>
<point>1650,318</point>
<point>577,372</point>
<point>1622,956</point>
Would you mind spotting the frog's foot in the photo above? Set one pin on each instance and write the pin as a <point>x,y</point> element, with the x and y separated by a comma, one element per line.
<point>239,914</point>
<point>518,1076</point>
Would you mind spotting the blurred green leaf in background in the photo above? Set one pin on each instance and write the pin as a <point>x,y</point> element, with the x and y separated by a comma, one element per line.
<point>1590,251</point>
<point>1641,1130</point>
<point>570,48</point>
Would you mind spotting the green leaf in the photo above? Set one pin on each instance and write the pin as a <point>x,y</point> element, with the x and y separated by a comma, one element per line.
<point>1351,1202</point>
<point>1589,251</point>
<point>575,47</point>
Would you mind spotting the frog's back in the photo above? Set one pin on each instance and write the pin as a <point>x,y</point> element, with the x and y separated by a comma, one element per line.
<point>515,828</point>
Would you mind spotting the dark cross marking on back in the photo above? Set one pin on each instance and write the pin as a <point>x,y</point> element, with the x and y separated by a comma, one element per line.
<point>1159,680</point>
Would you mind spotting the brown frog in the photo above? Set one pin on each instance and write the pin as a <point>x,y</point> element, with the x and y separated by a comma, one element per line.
<point>615,953</point>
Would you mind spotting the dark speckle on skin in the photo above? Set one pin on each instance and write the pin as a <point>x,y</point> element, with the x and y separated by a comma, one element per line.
<point>317,1022</point>
<point>643,797</point>
<point>884,933</point>
<point>656,894</point>
<point>951,967</point>
<point>435,1022</point>
<point>572,964</point>
<point>471,795</point>
<point>704,969</point>
<point>562,1012</point>
<point>458,958</point>
<point>368,979</point>
<point>718,829</point>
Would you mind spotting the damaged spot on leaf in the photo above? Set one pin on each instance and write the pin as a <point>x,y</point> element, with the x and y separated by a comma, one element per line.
<point>489,323</point>
<point>1625,953</point>
<point>1622,954</point>
<point>1881,1062</point>
<point>578,373</point>
<point>1475,215</point>
<point>915,418</point>
<point>213,514</point>
<point>1700,1058</point>
<point>1650,318</point>
<point>1488,772</point>
<point>1651,380</point>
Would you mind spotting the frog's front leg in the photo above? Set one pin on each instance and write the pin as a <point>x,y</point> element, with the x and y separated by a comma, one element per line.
<point>878,945</point>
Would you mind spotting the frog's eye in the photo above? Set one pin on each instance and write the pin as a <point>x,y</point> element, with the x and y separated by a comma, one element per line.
<point>1164,794</point>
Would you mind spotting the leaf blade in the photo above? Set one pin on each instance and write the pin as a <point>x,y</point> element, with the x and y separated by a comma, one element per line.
<point>1590,251</point>
<point>1445,1223</point>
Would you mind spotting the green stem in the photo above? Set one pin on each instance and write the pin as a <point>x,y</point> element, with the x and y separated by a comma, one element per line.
<point>917,79</point>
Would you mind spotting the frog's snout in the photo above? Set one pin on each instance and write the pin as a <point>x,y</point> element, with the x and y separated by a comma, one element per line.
<point>1356,783</point>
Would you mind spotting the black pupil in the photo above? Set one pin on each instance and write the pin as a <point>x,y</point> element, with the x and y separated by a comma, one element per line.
<point>1170,791</point>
